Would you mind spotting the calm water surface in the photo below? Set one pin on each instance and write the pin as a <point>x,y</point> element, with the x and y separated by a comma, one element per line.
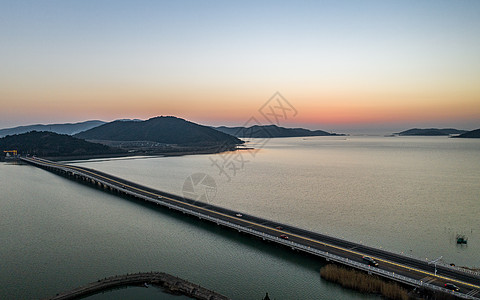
<point>405,194</point>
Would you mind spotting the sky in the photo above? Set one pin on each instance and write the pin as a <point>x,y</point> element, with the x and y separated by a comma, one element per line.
<point>338,65</point>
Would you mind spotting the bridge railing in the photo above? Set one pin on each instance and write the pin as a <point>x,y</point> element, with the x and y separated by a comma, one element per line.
<point>440,263</point>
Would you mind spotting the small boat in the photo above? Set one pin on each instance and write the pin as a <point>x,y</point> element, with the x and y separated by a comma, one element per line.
<point>461,239</point>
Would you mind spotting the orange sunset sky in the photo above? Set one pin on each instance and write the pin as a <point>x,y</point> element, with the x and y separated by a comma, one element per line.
<point>343,65</point>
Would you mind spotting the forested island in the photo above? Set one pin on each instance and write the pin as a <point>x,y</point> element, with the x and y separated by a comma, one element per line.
<point>431,132</point>
<point>272,131</point>
<point>474,134</point>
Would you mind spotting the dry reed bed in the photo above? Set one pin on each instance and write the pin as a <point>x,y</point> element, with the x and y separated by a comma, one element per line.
<point>363,282</point>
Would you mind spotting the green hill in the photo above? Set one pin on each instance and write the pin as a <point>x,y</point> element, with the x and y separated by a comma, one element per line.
<point>430,132</point>
<point>474,134</point>
<point>48,144</point>
<point>166,130</point>
<point>268,131</point>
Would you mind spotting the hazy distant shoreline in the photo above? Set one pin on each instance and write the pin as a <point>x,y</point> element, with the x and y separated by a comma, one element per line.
<point>152,154</point>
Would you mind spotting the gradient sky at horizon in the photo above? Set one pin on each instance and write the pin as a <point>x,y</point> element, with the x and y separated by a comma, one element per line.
<point>341,64</point>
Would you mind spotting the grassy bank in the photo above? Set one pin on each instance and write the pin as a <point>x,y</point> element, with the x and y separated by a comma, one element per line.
<point>363,282</point>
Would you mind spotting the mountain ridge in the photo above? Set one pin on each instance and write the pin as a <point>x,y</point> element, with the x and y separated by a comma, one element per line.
<point>271,131</point>
<point>431,132</point>
<point>162,129</point>
<point>60,128</point>
<point>472,134</point>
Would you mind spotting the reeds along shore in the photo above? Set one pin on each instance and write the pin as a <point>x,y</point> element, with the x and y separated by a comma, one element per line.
<point>362,282</point>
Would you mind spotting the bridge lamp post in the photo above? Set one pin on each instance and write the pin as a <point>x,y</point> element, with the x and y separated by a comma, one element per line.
<point>434,262</point>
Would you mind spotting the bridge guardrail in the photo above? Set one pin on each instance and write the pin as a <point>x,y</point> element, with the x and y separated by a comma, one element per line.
<point>440,263</point>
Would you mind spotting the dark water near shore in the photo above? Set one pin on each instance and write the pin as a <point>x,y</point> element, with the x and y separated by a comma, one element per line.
<point>410,195</point>
<point>137,293</point>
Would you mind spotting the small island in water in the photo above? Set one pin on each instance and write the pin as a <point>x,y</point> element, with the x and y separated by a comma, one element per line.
<point>454,133</point>
<point>430,132</point>
<point>272,131</point>
<point>474,134</point>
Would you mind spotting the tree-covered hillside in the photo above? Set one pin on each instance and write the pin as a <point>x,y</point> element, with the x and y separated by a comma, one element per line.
<point>167,130</point>
<point>44,143</point>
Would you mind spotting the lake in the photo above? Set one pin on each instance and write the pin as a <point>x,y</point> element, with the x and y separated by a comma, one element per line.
<point>410,195</point>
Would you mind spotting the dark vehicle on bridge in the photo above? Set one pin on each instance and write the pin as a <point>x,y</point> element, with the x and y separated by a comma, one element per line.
<point>370,261</point>
<point>451,286</point>
<point>285,237</point>
<point>279,227</point>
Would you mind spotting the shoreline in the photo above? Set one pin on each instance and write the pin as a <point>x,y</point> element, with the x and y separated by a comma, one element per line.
<point>139,153</point>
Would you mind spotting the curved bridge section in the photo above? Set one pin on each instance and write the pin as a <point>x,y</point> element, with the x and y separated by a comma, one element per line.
<point>171,283</point>
<point>392,266</point>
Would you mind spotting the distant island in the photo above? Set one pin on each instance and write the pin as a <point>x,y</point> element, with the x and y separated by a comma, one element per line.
<point>50,144</point>
<point>67,128</point>
<point>431,132</point>
<point>271,131</point>
<point>474,134</point>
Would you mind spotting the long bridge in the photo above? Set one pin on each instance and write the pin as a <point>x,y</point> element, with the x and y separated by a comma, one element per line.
<point>393,266</point>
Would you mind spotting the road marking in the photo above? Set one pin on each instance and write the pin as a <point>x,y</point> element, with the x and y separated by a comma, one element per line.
<point>262,226</point>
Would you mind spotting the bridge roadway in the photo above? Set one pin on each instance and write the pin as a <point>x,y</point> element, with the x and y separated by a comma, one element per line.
<point>418,271</point>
